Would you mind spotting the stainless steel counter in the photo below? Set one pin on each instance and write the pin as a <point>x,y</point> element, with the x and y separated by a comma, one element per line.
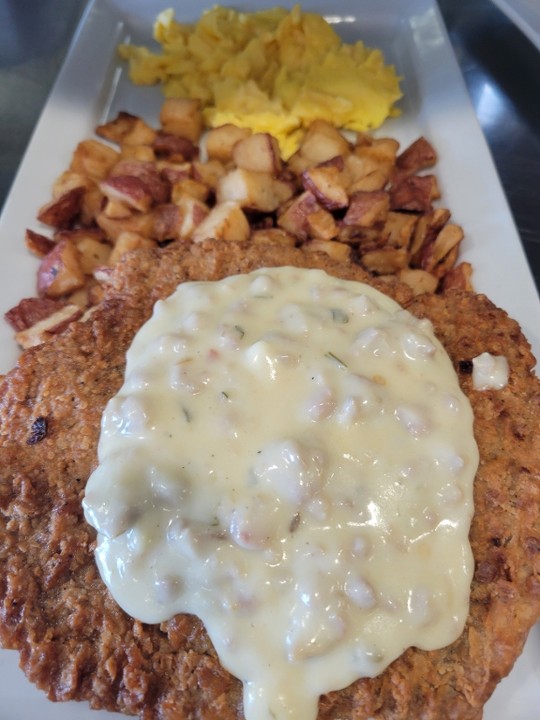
<point>500,65</point>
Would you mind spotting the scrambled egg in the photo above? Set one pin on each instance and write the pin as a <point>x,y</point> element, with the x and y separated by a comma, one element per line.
<point>272,71</point>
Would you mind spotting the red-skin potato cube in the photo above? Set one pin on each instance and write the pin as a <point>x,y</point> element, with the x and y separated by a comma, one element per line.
<point>44,329</point>
<point>209,172</point>
<point>37,243</point>
<point>193,212</point>
<point>226,221</point>
<point>128,241</point>
<point>367,208</point>
<point>62,212</point>
<point>183,117</point>
<point>220,141</point>
<point>413,193</point>
<point>131,191</point>
<point>166,220</point>
<point>60,272</point>
<point>259,153</point>
<point>94,159</point>
<point>326,183</point>
<point>418,156</point>
<point>322,142</point>
<point>30,311</point>
<point>115,130</point>
<point>253,190</point>
<point>174,147</point>
<point>293,217</point>
<point>273,236</point>
<point>148,173</point>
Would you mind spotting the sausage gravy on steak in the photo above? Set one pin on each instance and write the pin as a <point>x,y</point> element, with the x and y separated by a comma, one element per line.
<point>291,459</point>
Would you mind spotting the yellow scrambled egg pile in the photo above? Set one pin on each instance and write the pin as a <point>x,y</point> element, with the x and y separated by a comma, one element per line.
<point>273,71</point>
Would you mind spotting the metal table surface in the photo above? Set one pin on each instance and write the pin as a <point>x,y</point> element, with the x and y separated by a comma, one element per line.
<point>500,65</point>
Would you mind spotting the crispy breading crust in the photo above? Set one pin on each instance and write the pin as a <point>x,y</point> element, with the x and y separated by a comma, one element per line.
<point>74,641</point>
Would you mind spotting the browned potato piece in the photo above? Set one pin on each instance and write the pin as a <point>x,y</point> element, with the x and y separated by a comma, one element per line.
<point>336,250</point>
<point>140,133</point>
<point>419,280</point>
<point>322,225</point>
<point>91,245</point>
<point>323,141</point>
<point>127,241</point>
<point>413,193</point>
<point>458,277</point>
<point>449,237</point>
<point>374,180</point>
<point>259,153</point>
<point>144,153</point>
<point>37,243</point>
<point>60,271</point>
<point>297,163</point>
<point>174,147</point>
<point>209,172</point>
<point>253,190</point>
<point>293,216</point>
<point>273,235</point>
<point>92,254</point>
<point>385,261</point>
<point>226,221</point>
<point>116,209</point>
<point>192,213</point>
<point>189,186</point>
<point>220,141</point>
<point>29,311</point>
<point>115,130</point>
<point>94,159</point>
<point>91,205</point>
<point>69,180</point>
<point>367,208</point>
<point>112,227</point>
<point>61,213</point>
<point>327,183</point>
<point>419,155</point>
<point>399,228</point>
<point>129,190</point>
<point>427,228</point>
<point>381,152</point>
<point>51,325</point>
<point>182,116</point>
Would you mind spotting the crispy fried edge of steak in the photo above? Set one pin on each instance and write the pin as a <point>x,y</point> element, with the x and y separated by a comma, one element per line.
<point>76,643</point>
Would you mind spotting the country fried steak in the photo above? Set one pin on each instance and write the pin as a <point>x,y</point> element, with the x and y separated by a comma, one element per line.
<point>74,641</point>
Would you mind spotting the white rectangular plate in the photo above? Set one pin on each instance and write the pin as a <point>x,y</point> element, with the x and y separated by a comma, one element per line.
<point>93,86</point>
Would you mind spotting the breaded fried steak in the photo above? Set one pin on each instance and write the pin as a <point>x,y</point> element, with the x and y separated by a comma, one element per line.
<point>76,643</point>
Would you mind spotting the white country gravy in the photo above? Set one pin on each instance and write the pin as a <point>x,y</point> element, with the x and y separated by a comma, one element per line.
<point>291,459</point>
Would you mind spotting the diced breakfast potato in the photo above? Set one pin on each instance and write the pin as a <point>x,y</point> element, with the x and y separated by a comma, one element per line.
<point>225,221</point>
<point>182,116</point>
<point>328,184</point>
<point>323,141</point>
<point>258,153</point>
<point>60,271</point>
<point>94,159</point>
<point>92,254</point>
<point>52,325</point>
<point>254,190</point>
<point>125,242</point>
<point>337,251</point>
<point>357,200</point>
<point>220,141</point>
<point>61,213</point>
